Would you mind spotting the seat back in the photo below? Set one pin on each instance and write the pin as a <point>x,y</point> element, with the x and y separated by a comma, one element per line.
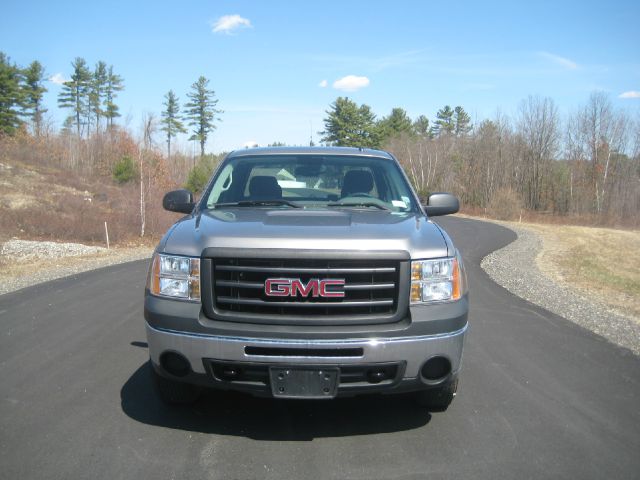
<point>263,187</point>
<point>357,181</point>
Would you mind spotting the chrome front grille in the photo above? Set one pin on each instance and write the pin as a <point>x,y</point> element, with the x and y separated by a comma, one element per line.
<point>370,287</point>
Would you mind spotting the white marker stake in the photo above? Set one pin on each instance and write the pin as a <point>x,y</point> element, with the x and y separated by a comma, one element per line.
<point>106,232</point>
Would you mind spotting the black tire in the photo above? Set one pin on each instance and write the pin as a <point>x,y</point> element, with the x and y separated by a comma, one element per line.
<point>439,398</point>
<point>173,392</point>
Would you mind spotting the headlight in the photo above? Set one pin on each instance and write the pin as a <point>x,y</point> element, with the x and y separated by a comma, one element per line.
<point>176,277</point>
<point>439,280</point>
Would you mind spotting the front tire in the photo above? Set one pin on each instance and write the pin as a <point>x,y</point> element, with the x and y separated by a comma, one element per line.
<point>437,399</point>
<point>173,392</point>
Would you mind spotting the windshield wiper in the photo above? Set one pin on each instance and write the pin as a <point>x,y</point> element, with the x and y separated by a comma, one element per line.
<point>357,204</point>
<point>257,203</point>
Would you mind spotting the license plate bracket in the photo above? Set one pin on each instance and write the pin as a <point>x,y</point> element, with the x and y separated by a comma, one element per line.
<point>304,382</point>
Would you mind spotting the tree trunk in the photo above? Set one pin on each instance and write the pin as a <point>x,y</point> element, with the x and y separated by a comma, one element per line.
<point>142,209</point>
<point>604,179</point>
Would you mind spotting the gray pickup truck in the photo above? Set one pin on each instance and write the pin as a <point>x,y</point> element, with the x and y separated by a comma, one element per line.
<point>307,273</point>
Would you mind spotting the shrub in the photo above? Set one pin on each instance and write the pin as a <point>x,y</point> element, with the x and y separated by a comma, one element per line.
<point>197,178</point>
<point>199,175</point>
<point>125,170</point>
<point>505,204</point>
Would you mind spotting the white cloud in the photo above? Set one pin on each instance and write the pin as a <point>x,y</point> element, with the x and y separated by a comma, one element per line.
<point>351,83</point>
<point>630,94</point>
<point>323,84</point>
<point>558,60</point>
<point>250,144</point>
<point>58,79</point>
<point>229,23</point>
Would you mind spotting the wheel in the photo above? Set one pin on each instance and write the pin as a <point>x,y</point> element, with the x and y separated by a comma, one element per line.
<point>439,398</point>
<point>173,392</point>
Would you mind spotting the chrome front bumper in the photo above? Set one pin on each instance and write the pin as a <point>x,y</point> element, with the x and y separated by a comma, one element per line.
<point>414,351</point>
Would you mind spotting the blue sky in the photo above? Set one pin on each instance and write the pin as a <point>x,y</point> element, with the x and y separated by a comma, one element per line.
<point>277,66</point>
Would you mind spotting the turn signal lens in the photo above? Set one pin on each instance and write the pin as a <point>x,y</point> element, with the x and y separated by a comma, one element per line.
<point>416,293</point>
<point>456,291</point>
<point>154,278</point>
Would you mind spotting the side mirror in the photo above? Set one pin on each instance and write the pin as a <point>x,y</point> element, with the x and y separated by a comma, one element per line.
<point>180,201</point>
<point>441,204</point>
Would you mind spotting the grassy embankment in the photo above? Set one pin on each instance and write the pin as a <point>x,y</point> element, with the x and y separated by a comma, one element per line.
<point>600,262</point>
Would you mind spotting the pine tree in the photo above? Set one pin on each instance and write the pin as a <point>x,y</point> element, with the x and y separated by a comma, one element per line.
<point>462,121</point>
<point>34,89</point>
<point>113,85</point>
<point>397,123</point>
<point>75,93</point>
<point>421,126</point>
<point>201,111</point>
<point>444,123</point>
<point>350,125</point>
<point>11,96</point>
<point>67,126</point>
<point>98,92</point>
<point>171,120</point>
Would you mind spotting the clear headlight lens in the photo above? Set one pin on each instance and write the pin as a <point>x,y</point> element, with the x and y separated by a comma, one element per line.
<point>438,280</point>
<point>174,276</point>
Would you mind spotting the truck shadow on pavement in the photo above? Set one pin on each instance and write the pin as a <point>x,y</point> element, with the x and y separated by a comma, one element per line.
<point>226,413</point>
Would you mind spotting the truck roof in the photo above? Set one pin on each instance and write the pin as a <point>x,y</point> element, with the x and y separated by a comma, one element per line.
<point>351,151</point>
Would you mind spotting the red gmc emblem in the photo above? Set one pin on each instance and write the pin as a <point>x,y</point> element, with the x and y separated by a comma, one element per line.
<point>292,287</point>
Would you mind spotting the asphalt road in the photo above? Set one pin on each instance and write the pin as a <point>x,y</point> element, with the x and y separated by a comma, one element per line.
<point>539,398</point>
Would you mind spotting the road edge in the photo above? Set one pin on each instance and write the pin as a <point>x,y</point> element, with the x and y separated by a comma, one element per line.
<point>515,268</point>
<point>79,264</point>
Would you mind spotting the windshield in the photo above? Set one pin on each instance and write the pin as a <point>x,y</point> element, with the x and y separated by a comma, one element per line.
<point>310,181</point>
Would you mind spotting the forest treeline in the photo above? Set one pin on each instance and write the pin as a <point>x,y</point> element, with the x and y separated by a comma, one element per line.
<point>584,167</point>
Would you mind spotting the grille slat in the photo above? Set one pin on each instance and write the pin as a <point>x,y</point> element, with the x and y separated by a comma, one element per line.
<point>370,286</point>
<point>237,268</point>
<point>225,283</point>
<point>370,290</point>
<point>249,301</point>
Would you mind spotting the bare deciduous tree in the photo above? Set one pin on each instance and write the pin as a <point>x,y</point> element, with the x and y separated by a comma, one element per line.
<point>597,134</point>
<point>149,126</point>
<point>538,125</point>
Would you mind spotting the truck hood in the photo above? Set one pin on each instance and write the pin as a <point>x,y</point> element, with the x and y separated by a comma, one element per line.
<point>260,228</point>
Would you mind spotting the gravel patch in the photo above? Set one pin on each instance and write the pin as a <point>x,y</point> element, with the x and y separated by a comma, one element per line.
<point>26,250</point>
<point>26,263</point>
<point>514,267</point>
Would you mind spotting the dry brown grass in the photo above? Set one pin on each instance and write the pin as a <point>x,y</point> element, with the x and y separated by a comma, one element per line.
<point>545,218</point>
<point>600,262</point>
<point>39,202</point>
